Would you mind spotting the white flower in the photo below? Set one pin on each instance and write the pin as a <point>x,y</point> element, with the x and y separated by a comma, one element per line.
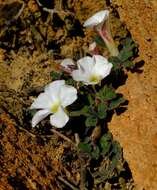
<point>97,20</point>
<point>56,96</point>
<point>100,22</point>
<point>91,70</point>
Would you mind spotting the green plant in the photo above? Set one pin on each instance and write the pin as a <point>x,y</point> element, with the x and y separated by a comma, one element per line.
<point>96,101</point>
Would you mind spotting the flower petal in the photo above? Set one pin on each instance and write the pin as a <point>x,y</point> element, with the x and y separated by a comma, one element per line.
<point>97,19</point>
<point>79,75</point>
<point>92,46</point>
<point>67,62</point>
<point>102,67</point>
<point>42,102</point>
<point>85,64</point>
<point>40,115</point>
<point>53,89</point>
<point>68,95</point>
<point>59,119</point>
<point>100,59</point>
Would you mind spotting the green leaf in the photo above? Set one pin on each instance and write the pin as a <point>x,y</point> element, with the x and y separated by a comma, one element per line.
<point>71,82</point>
<point>106,93</point>
<point>31,112</point>
<point>116,62</point>
<point>85,147</point>
<point>105,143</point>
<point>116,103</point>
<point>127,42</point>
<point>117,150</point>
<point>99,41</point>
<point>55,75</point>
<point>128,50</point>
<point>96,153</point>
<point>91,121</point>
<point>84,111</point>
<point>90,99</point>
<point>128,64</point>
<point>102,108</point>
<point>125,55</point>
<point>112,166</point>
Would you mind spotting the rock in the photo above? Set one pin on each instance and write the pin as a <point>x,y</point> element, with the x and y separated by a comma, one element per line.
<point>136,128</point>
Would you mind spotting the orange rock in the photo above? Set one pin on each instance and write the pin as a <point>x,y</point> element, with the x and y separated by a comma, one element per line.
<point>136,129</point>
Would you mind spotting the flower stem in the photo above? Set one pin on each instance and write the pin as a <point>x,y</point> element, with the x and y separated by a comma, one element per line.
<point>93,86</point>
<point>63,136</point>
<point>75,113</point>
<point>67,183</point>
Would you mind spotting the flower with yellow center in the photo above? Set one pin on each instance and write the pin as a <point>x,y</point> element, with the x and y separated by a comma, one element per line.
<point>91,70</point>
<point>55,106</point>
<point>55,98</point>
<point>94,79</point>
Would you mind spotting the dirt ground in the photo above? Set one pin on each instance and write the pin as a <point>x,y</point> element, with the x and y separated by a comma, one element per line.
<point>136,129</point>
<point>30,50</point>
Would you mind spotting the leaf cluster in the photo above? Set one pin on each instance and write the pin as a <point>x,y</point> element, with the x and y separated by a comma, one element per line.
<point>108,154</point>
<point>95,151</point>
<point>126,54</point>
<point>105,100</point>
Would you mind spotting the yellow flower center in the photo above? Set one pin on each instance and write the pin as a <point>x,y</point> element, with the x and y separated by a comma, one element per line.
<point>55,106</point>
<point>94,79</point>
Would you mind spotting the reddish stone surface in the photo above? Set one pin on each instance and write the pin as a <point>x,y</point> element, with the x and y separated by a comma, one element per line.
<point>136,129</point>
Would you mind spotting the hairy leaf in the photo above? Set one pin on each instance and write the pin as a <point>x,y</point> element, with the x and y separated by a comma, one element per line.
<point>102,108</point>
<point>106,93</point>
<point>116,103</point>
<point>105,143</point>
<point>124,55</point>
